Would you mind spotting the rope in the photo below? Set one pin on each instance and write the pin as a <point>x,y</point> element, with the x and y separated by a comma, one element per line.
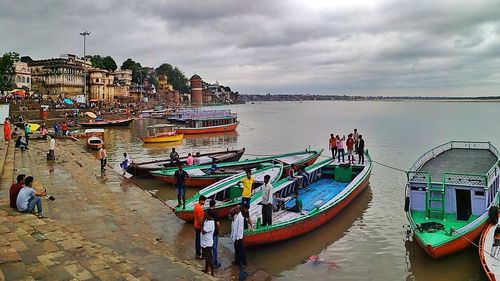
<point>389,167</point>
<point>475,244</point>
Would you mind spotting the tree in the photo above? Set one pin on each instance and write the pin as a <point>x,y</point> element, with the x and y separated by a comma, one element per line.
<point>138,74</point>
<point>7,69</point>
<point>107,62</point>
<point>176,77</point>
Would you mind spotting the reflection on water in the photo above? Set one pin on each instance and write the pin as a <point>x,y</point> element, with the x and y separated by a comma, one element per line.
<point>368,240</point>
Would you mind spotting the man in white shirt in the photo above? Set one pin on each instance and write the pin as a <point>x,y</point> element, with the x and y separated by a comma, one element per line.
<point>52,147</point>
<point>28,198</point>
<point>207,242</point>
<point>237,227</point>
<point>267,201</point>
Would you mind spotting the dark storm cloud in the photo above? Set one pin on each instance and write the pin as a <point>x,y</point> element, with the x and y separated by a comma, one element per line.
<point>346,47</point>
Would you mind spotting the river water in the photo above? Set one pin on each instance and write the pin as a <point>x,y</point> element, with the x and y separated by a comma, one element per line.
<point>368,240</point>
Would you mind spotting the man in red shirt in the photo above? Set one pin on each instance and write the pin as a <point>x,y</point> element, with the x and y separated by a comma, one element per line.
<point>199,217</point>
<point>350,147</point>
<point>14,190</point>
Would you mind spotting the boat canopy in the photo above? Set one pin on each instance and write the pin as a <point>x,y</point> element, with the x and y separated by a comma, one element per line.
<point>87,131</point>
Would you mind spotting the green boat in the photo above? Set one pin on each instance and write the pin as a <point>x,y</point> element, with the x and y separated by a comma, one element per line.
<point>227,193</point>
<point>203,175</point>
<point>448,194</point>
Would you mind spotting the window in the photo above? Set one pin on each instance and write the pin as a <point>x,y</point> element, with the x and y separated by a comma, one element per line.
<point>479,192</point>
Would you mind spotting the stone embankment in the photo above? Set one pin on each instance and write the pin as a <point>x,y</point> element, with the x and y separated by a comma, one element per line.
<point>100,227</point>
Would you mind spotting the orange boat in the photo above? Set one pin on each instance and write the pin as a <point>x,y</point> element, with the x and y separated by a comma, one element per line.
<point>210,125</point>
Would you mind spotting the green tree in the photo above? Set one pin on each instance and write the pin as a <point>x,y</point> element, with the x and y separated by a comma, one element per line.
<point>138,74</point>
<point>175,76</point>
<point>107,62</point>
<point>7,69</point>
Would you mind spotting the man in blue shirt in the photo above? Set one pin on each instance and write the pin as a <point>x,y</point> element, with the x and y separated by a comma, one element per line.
<point>28,198</point>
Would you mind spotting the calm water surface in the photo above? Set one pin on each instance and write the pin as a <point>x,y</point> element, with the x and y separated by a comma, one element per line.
<point>368,240</point>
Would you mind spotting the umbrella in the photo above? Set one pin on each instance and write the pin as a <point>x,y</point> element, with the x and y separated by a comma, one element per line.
<point>91,114</point>
<point>20,92</point>
<point>33,126</point>
<point>68,101</point>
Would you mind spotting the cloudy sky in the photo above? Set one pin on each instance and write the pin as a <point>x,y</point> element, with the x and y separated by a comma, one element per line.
<point>394,47</point>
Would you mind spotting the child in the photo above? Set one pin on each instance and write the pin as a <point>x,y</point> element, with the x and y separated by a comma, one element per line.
<point>124,163</point>
<point>207,242</point>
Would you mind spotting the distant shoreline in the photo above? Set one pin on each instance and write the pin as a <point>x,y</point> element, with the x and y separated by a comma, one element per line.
<point>301,98</point>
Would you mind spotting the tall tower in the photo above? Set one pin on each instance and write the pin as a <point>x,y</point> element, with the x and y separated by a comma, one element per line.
<point>196,90</point>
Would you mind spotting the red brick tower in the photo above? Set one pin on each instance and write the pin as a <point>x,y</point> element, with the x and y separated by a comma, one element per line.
<point>196,90</point>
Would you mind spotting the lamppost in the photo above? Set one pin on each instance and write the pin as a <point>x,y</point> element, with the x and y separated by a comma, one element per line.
<point>84,34</point>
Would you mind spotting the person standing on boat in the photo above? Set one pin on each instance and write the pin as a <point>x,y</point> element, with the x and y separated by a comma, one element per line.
<point>174,156</point>
<point>355,136</point>
<point>340,148</point>
<point>199,217</point>
<point>216,218</point>
<point>350,146</point>
<point>361,150</point>
<point>246,193</point>
<point>6,129</point>
<point>267,201</point>
<point>180,179</point>
<point>103,157</point>
<point>332,145</point>
<point>190,160</point>
<point>237,226</point>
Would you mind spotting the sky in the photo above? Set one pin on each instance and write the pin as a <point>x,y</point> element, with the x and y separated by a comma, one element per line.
<point>388,47</point>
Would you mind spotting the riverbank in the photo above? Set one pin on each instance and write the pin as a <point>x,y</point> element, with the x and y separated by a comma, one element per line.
<point>99,226</point>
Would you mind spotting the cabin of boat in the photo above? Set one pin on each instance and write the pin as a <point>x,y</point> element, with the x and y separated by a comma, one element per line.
<point>326,190</point>
<point>449,191</point>
<point>95,138</point>
<point>162,133</point>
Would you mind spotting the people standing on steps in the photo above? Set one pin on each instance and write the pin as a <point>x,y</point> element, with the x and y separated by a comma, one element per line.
<point>199,217</point>
<point>103,157</point>
<point>207,242</point>
<point>215,247</point>
<point>124,163</point>
<point>7,129</point>
<point>52,147</point>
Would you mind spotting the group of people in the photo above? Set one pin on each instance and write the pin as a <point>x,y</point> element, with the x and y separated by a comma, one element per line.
<point>24,198</point>
<point>355,144</point>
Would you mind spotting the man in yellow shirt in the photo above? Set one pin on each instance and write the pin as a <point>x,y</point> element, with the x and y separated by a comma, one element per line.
<point>246,193</point>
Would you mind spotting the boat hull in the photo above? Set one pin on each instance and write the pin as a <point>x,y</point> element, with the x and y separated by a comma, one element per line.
<point>111,123</point>
<point>456,245</point>
<point>173,138</point>
<point>140,170</point>
<point>491,276</point>
<point>304,226</point>
<point>206,130</point>
<point>188,215</point>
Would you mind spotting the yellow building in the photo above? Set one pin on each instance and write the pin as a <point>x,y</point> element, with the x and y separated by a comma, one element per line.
<point>101,85</point>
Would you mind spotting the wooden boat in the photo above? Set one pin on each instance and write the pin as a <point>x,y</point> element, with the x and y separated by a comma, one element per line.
<point>209,125</point>
<point>107,123</point>
<point>227,193</point>
<point>95,138</point>
<point>144,168</point>
<point>202,175</point>
<point>489,247</point>
<point>330,188</point>
<point>161,133</point>
<point>449,191</point>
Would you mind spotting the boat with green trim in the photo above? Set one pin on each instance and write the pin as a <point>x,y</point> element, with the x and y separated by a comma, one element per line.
<point>449,191</point>
<point>331,186</point>
<point>227,193</point>
<point>205,175</point>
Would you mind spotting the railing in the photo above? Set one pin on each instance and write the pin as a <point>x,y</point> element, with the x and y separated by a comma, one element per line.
<point>419,177</point>
<point>465,179</point>
<point>449,145</point>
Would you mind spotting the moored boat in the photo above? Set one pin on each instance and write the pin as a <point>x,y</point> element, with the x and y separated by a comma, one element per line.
<point>489,247</point>
<point>326,189</point>
<point>205,175</point>
<point>107,123</point>
<point>95,138</point>
<point>210,125</point>
<point>144,168</point>
<point>161,133</point>
<point>449,191</point>
<point>227,193</point>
